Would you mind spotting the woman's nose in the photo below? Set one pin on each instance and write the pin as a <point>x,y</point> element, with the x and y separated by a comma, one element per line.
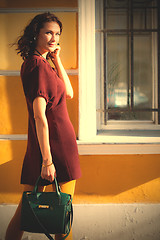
<point>53,37</point>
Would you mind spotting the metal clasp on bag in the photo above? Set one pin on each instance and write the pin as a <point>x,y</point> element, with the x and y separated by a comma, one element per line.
<point>43,206</point>
<point>28,193</point>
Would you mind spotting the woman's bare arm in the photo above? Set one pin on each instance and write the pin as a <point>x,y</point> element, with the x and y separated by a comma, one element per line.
<point>61,71</point>
<point>39,109</point>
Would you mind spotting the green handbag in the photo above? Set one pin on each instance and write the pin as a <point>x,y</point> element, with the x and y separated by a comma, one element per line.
<point>47,212</point>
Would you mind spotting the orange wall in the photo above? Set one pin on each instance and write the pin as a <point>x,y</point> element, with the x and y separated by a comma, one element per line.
<point>37,3</point>
<point>12,25</point>
<point>106,178</point>
<point>119,179</point>
<point>13,108</point>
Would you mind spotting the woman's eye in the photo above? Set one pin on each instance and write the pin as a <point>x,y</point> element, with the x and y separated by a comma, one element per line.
<point>51,33</point>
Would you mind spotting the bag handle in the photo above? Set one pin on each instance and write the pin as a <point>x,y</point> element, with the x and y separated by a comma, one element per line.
<point>58,189</point>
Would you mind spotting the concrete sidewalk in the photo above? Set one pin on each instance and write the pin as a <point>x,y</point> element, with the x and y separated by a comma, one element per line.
<point>103,222</point>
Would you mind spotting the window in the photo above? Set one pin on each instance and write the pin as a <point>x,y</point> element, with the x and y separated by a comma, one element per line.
<point>126,60</point>
<point>118,68</point>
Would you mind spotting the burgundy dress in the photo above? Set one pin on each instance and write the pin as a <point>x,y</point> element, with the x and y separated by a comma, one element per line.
<point>39,79</point>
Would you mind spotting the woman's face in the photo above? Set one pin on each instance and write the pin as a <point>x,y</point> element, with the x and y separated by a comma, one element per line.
<point>48,37</point>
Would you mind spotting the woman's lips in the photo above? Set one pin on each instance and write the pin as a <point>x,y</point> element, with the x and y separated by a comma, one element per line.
<point>52,44</point>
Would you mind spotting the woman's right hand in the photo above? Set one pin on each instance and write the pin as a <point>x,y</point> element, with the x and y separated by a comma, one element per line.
<point>48,171</point>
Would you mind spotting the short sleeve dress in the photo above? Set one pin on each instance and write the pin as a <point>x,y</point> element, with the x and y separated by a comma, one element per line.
<point>40,79</point>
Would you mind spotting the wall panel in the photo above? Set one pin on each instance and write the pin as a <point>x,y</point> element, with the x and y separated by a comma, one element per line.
<point>37,3</point>
<point>13,107</point>
<point>14,116</point>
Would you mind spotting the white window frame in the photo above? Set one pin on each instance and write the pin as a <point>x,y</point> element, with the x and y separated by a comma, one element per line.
<point>87,92</point>
<point>87,70</point>
<point>131,124</point>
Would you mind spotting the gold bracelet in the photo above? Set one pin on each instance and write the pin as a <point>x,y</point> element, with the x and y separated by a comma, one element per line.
<point>43,165</point>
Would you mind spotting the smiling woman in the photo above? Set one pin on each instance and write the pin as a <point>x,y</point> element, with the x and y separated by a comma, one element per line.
<point>39,31</point>
<point>48,38</point>
<point>51,147</point>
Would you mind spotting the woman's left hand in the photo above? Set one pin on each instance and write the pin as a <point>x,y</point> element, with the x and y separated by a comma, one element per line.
<point>48,172</point>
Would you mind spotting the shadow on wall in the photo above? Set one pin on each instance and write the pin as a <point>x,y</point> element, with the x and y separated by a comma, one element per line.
<point>101,175</point>
<point>10,171</point>
<point>13,120</point>
<point>113,174</point>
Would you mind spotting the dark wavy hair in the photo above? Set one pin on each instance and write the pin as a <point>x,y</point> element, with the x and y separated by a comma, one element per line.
<point>26,43</point>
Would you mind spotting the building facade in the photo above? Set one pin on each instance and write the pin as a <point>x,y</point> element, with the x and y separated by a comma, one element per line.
<point>110,49</point>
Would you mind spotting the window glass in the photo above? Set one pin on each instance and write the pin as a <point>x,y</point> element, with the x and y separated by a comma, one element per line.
<point>116,3</point>
<point>126,60</point>
<point>116,19</point>
<point>143,74</point>
<point>117,71</point>
<point>144,18</point>
<point>143,3</point>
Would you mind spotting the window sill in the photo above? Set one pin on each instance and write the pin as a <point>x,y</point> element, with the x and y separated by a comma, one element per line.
<point>109,145</point>
<point>121,142</point>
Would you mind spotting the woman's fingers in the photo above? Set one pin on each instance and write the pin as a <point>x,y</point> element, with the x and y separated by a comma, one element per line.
<point>48,173</point>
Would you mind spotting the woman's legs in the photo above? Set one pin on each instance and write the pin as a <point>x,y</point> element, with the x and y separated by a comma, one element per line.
<point>13,231</point>
<point>67,187</point>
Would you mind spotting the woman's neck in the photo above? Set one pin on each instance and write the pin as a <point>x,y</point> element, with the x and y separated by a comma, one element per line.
<point>42,55</point>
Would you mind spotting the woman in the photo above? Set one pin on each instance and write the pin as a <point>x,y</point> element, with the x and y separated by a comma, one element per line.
<point>51,149</point>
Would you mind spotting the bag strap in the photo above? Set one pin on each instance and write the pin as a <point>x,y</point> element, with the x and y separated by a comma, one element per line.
<point>41,225</point>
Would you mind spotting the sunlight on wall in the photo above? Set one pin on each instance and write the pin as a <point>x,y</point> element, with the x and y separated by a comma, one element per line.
<point>12,26</point>
<point>3,41</point>
<point>6,152</point>
<point>13,107</point>
<point>4,107</point>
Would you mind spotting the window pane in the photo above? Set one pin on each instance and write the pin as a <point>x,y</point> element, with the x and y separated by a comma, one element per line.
<point>143,74</point>
<point>116,3</point>
<point>144,3</point>
<point>139,19</point>
<point>144,18</point>
<point>116,19</point>
<point>117,73</point>
<point>118,86</point>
